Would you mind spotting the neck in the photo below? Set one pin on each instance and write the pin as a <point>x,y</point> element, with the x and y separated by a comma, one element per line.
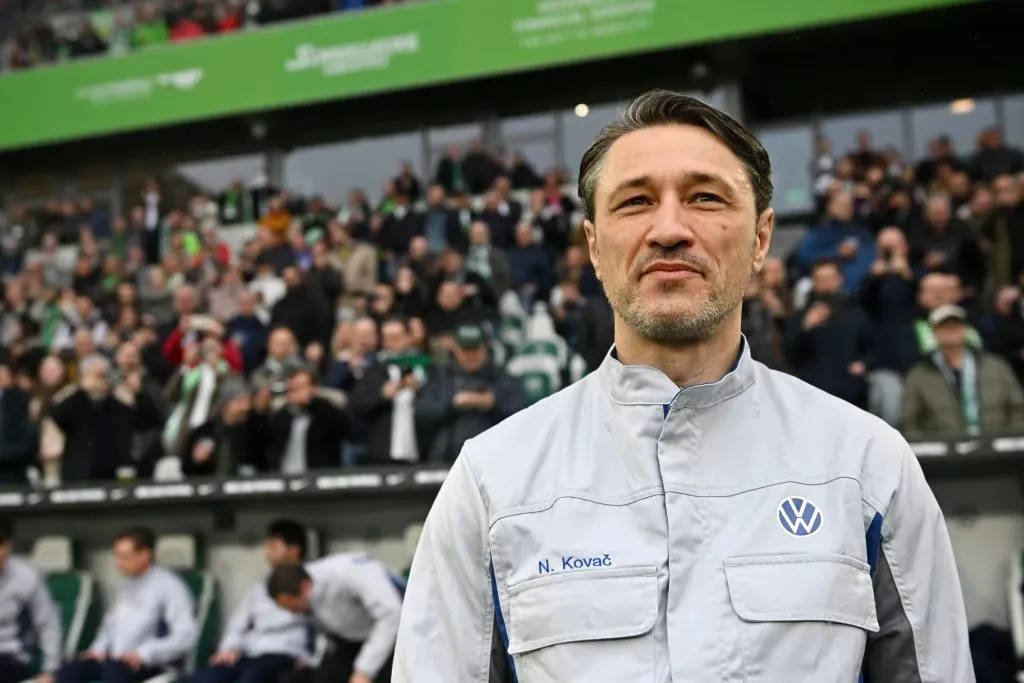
<point>954,356</point>
<point>687,364</point>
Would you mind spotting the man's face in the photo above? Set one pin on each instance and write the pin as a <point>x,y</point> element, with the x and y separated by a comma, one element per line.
<point>130,560</point>
<point>364,335</point>
<point>478,236</point>
<point>676,238</point>
<point>297,604</point>
<point>840,207</point>
<point>281,344</point>
<point>939,212</point>
<point>278,552</point>
<point>127,358</point>
<point>435,195</point>
<point>394,338</point>
<point>951,334</point>
<point>826,279</point>
<point>300,389</point>
<point>1006,191</point>
<point>470,359</point>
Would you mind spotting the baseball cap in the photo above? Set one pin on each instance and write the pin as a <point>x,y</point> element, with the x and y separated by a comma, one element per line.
<point>469,336</point>
<point>946,313</point>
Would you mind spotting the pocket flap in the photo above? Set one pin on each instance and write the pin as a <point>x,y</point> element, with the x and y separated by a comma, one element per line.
<point>802,588</point>
<point>598,604</point>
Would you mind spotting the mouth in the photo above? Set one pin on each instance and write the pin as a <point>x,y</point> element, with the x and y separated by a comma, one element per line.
<point>670,270</point>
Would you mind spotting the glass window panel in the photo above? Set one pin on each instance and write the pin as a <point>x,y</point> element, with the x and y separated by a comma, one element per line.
<point>1013,119</point>
<point>214,175</point>
<point>333,170</point>
<point>886,128</point>
<point>931,121</point>
<point>579,132</point>
<point>791,151</point>
<point>455,135</point>
<point>537,124</point>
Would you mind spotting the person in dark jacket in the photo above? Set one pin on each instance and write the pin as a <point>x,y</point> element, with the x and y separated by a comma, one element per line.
<point>830,343</point>
<point>306,434</point>
<point>248,332</point>
<point>99,424</point>
<point>235,437</point>
<point>18,439</point>
<point>304,311</point>
<point>530,273</point>
<point>461,400</point>
<point>383,401</point>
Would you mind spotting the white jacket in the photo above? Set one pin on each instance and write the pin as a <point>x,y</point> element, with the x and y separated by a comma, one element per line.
<point>752,530</point>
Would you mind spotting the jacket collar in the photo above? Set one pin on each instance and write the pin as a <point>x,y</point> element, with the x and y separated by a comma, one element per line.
<point>644,385</point>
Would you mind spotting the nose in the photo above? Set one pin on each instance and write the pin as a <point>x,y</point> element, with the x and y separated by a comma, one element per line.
<point>670,226</point>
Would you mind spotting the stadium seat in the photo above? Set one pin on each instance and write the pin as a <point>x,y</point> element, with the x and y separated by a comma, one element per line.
<point>180,552</point>
<point>555,347</point>
<point>539,375</point>
<point>74,592</point>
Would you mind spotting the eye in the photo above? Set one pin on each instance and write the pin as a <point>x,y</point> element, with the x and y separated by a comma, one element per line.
<point>638,200</point>
<point>705,197</point>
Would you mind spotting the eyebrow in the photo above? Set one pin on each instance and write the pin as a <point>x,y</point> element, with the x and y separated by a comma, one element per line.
<point>690,177</point>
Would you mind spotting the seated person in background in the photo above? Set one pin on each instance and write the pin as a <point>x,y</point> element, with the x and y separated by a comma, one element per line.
<point>27,615</point>
<point>356,602</point>
<point>262,640</point>
<point>957,389</point>
<point>149,629</point>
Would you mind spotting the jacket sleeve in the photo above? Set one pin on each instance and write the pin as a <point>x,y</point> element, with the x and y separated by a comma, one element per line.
<point>179,613</point>
<point>47,626</point>
<point>922,634</point>
<point>238,625</point>
<point>381,599</point>
<point>448,619</point>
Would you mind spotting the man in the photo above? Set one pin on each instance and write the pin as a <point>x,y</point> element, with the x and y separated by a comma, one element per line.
<point>465,398</point>
<point>356,602</point>
<point>683,513</point>
<point>150,628</point>
<point>18,441</point>
<point>306,434</point>
<point>27,617</point>
<point>830,343</point>
<point>263,641</point>
<point>958,389</point>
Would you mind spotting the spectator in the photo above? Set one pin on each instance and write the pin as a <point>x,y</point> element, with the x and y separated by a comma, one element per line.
<point>841,239</point>
<point>248,331</point>
<point>830,343</point>
<point>18,437</point>
<point>196,388</point>
<point>307,433</point>
<point>440,224</point>
<point>51,381</point>
<point>385,400</point>
<point>149,629</point>
<point>530,272</point>
<point>1004,332</point>
<point>82,315</point>
<point>994,158</point>
<point>234,438</point>
<point>406,183</point>
<point>1004,233</point>
<point>942,241</point>
<point>450,171</point>
<point>304,311</point>
<point>889,304</point>
<point>463,399</point>
<point>98,424</point>
<point>149,29</point>
<point>958,390</point>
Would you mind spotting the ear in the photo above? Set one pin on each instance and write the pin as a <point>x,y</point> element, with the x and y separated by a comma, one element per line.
<point>590,230</point>
<point>762,239</point>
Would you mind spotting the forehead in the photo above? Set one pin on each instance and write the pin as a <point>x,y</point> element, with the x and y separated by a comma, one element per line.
<point>669,153</point>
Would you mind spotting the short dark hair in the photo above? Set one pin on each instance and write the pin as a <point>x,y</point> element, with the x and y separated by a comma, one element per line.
<point>291,533</point>
<point>286,580</point>
<point>827,263</point>
<point>664,107</point>
<point>141,537</point>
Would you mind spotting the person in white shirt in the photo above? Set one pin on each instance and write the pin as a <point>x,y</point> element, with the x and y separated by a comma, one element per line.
<point>355,601</point>
<point>263,641</point>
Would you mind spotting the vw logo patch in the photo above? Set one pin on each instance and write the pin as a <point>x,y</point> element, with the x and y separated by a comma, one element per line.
<point>799,516</point>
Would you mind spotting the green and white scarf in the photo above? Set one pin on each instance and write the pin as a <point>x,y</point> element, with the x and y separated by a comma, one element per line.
<point>970,401</point>
<point>927,344</point>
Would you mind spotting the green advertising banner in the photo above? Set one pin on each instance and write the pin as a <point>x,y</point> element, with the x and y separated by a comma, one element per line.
<point>426,42</point>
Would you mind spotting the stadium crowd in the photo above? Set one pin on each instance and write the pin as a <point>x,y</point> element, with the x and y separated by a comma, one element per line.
<point>365,334</point>
<point>34,33</point>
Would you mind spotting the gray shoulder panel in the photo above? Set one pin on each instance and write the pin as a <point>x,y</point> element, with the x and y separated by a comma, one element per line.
<point>890,655</point>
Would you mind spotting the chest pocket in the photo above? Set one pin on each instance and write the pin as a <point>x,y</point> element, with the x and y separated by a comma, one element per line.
<point>585,625</point>
<point>805,615</point>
